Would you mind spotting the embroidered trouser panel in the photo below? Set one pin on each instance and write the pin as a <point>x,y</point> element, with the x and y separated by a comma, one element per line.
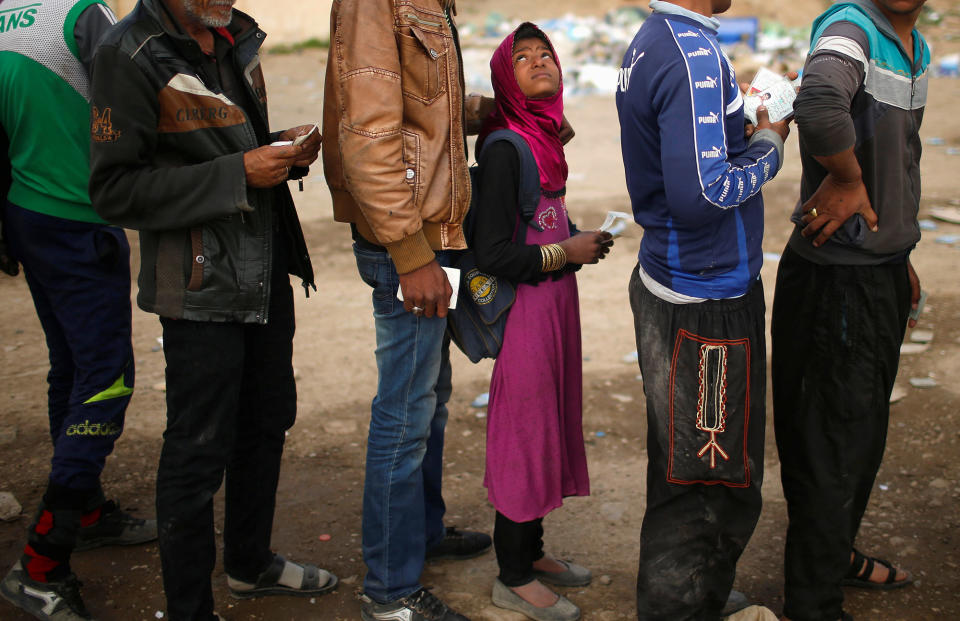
<point>704,371</point>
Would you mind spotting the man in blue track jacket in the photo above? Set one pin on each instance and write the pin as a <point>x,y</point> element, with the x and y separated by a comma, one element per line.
<point>694,181</point>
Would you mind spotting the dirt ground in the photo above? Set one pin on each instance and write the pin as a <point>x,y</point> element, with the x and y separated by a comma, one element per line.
<point>912,518</point>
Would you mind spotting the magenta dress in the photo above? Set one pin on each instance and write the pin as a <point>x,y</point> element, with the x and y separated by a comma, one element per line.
<point>535,452</point>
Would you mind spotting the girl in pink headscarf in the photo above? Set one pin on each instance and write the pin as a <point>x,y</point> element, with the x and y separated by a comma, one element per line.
<point>535,452</point>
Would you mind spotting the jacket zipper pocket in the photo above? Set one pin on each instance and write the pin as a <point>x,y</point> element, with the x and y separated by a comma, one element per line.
<point>422,22</point>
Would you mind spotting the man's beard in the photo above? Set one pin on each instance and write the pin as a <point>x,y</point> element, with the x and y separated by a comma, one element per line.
<point>196,9</point>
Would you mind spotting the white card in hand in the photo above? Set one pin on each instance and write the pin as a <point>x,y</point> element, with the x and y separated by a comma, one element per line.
<point>773,91</point>
<point>453,275</point>
<point>615,222</point>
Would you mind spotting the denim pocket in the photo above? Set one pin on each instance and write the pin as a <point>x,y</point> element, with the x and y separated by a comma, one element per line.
<point>377,270</point>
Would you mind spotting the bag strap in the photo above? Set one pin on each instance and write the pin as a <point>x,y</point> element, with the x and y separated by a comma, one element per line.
<point>528,194</point>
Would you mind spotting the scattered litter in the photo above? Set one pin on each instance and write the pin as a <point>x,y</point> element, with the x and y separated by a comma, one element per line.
<point>936,142</point>
<point>773,257</point>
<point>898,393</point>
<point>158,614</point>
<point>600,434</point>
<point>949,66</point>
<point>883,487</point>
<point>592,47</point>
<point>481,401</point>
<point>639,377</point>
<point>325,537</point>
<point>953,151</point>
<point>466,433</point>
<point>160,342</point>
<point>921,336</point>
<point>481,414</point>
<point>913,348</point>
<point>923,382</point>
<point>631,357</point>
<point>10,508</point>
<point>928,225</point>
<point>621,398</point>
<point>605,580</point>
<point>947,214</point>
<point>948,239</point>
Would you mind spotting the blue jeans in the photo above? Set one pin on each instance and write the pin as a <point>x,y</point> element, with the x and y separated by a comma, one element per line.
<point>402,503</point>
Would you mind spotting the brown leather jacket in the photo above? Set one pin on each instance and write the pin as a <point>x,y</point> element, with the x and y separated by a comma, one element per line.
<point>393,127</point>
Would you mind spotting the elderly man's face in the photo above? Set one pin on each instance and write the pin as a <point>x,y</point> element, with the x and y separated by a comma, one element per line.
<point>210,13</point>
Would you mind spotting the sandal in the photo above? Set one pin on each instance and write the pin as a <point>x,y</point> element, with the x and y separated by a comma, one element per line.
<point>861,568</point>
<point>313,581</point>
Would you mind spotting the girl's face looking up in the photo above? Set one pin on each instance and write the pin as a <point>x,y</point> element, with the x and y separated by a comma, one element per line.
<point>535,69</point>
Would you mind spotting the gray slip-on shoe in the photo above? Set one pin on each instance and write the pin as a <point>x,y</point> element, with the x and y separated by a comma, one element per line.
<point>562,610</point>
<point>574,575</point>
<point>736,602</point>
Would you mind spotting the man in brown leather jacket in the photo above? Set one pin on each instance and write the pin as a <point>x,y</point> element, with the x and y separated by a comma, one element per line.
<point>395,161</point>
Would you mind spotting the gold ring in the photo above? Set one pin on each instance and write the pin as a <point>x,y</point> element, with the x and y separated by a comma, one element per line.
<point>416,310</point>
<point>813,212</point>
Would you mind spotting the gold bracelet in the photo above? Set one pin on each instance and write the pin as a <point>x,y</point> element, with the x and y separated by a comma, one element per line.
<point>562,261</point>
<point>552,257</point>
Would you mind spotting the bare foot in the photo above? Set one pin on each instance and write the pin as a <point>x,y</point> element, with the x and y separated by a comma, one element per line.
<point>537,594</point>
<point>550,565</point>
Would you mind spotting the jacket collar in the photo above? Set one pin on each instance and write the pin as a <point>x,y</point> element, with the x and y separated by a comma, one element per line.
<point>879,19</point>
<point>240,26</point>
<point>668,8</point>
<point>883,26</point>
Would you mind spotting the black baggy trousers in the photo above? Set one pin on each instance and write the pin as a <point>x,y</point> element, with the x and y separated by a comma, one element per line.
<point>704,376</point>
<point>836,334</point>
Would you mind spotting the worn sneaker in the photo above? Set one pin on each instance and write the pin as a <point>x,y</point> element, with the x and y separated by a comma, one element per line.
<point>115,528</point>
<point>50,601</point>
<point>460,545</point>
<point>421,606</point>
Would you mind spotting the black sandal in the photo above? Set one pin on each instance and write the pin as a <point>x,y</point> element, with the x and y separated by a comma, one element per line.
<point>861,568</point>
<point>267,583</point>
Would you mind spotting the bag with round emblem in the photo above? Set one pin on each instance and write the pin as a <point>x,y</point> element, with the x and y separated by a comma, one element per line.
<point>480,319</point>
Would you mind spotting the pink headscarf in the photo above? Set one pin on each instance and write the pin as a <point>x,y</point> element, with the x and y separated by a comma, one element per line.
<point>537,120</point>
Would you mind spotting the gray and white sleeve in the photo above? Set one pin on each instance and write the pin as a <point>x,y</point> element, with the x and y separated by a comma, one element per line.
<point>91,25</point>
<point>831,78</point>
